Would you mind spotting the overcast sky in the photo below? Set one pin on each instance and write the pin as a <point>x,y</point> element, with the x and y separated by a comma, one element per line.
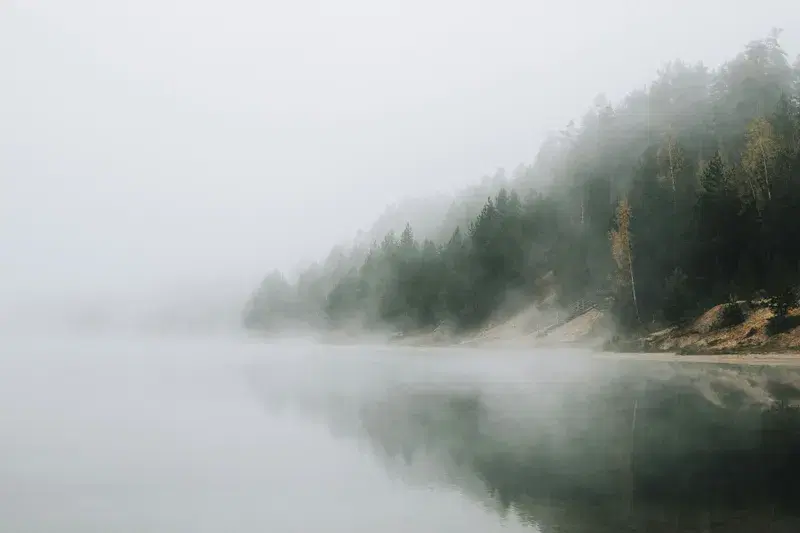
<point>148,141</point>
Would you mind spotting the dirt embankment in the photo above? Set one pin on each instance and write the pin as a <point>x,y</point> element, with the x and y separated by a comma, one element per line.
<point>726,330</point>
<point>731,328</point>
<point>530,328</point>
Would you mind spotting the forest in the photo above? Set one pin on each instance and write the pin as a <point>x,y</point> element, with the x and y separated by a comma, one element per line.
<point>679,197</point>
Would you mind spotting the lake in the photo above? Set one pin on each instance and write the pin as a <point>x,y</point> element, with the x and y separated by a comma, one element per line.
<point>226,434</point>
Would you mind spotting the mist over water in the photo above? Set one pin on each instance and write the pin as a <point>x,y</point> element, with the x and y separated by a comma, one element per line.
<point>567,441</point>
<point>169,435</point>
<point>158,158</point>
<point>223,434</point>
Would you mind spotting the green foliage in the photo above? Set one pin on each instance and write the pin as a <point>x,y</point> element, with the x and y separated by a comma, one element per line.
<point>783,300</point>
<point>678,300</point>
<point>704,164</point>
<point>780,303</point>
<point>732,315</point>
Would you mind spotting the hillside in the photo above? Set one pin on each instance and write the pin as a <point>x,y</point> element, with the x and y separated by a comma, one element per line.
<point>710,334</point>
<point>679,197</point>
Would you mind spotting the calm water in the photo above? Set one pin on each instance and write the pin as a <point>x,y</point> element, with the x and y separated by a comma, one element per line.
<point>172,435</point>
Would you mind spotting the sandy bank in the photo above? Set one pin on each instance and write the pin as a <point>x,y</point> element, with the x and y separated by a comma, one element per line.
<point>711,338</point>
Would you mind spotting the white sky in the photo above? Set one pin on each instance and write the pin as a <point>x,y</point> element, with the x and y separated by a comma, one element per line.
<point>150,141</point>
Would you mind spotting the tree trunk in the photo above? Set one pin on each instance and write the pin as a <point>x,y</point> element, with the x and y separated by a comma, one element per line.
<point>633,283</point>
<point>670,147</point>
<point>766,174</point>
<point>582,208</point>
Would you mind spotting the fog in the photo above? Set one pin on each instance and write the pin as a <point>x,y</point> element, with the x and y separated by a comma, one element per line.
<point>159,144</point>
<point>562,441</point>
<point>102,435</point>
<point>210,434</point>
<point>158,158</point>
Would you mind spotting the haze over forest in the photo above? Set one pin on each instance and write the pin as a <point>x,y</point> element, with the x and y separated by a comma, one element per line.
<point>159,158</point>
<point>681,196</point>
<point>174,170</point>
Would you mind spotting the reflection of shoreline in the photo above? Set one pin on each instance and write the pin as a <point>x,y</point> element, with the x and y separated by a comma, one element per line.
<point>704,445</point>
<point>576,516</point>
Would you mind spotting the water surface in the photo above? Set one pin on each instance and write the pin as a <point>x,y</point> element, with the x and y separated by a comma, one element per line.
<point>123,435</point>
<point>225,434</point>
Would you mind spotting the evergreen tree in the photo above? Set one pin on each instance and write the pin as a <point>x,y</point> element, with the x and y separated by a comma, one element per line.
<point>676,198</point>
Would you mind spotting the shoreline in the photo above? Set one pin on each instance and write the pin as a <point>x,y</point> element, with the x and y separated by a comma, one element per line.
<point>732,332</point>
<point>710,338</point>
<point>751,357</point>
<point>744,356</point>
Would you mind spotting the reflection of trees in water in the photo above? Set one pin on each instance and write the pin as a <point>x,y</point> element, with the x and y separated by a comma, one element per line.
<point>697,451</point>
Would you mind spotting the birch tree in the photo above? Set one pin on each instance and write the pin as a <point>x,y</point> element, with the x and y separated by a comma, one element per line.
<point>622,250</point>
<point>760,151</point>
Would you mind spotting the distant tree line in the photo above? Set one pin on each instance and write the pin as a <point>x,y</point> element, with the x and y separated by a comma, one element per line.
<point>681,196</point>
